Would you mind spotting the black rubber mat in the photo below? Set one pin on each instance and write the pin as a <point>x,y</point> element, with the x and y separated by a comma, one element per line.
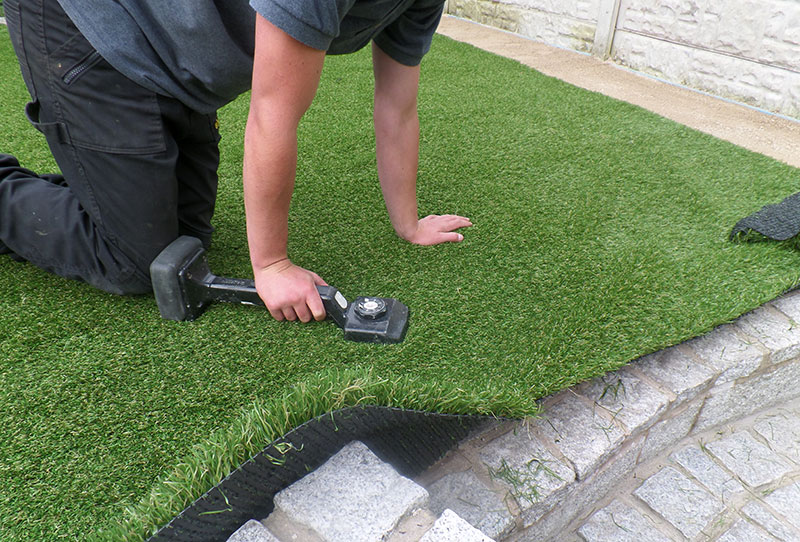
<point>409,440</point>
<point>779,221</point>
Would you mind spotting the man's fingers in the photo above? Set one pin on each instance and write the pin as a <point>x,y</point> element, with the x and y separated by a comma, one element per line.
<point>317,308</point>
<point>314,301</point>
<point>289,314</point>
<point>303,313</point>
<point>454,222</point>
<point>451,237</point>
<point>448,222</point>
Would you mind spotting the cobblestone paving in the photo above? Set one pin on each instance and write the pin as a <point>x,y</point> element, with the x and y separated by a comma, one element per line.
<point>738,483</point>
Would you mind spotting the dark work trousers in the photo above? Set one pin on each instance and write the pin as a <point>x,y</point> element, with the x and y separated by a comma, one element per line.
<point>138,169</point>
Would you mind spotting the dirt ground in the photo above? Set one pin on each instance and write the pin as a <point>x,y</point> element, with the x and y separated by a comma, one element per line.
<point>760,132</point>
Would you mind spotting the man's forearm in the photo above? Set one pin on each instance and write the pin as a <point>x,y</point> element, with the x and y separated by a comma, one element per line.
<point>397,139</point>
<point>397,145</point>
<point>285,78</point>
<point>270,160</point>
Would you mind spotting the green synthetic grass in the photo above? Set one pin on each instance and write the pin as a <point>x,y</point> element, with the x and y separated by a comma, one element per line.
<point>600,235</point>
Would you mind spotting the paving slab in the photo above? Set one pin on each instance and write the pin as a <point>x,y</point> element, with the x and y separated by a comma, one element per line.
<point>782,431</point>
<point>753,462</point>
<point>783,532</point>
<point>707,472</point>
<point>451,528</point>
<point>354,496</point>
<point>467,496</point>
<point>620,523</point>
<point>684,504</point>
<point>786,502</point>
<point>743,531</point>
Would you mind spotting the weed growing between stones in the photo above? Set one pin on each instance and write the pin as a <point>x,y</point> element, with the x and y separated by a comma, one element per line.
<point>525,482</point>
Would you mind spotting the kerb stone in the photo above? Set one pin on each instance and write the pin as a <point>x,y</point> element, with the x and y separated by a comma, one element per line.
<point>775,331</point>
<point>534,477</point>
<point>677,372</point>
<point>669,431</point>
<point>728,353</point>
<point>789,305</point>
<point>627,398</point>
<point>584,436</point>
<point>740,399</point>
<point>582,496</point>
<point>354,496</point>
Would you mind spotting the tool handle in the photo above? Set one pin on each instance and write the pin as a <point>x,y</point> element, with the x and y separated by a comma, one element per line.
<point>233,290</point>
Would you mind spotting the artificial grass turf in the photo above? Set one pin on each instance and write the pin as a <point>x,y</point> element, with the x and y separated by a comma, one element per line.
<point>600,235</point>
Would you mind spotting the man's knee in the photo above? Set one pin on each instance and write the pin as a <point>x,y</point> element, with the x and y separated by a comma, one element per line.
<point>133,282</point>
<point>134,288</point>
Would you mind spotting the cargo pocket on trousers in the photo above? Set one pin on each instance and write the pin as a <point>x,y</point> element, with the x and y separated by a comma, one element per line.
<point>102,109</point>
<point>53,131</point>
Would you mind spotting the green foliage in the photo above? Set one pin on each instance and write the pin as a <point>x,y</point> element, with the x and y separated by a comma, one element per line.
<point>600,235</point>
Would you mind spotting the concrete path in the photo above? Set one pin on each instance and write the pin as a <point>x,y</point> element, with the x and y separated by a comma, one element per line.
<point>766,134</point>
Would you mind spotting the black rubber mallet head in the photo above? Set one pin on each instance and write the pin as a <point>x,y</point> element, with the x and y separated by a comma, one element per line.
<point>184,287</point>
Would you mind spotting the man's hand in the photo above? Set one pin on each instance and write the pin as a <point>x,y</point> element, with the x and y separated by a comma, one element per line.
<point>290,292</point>
<point>435,229</point>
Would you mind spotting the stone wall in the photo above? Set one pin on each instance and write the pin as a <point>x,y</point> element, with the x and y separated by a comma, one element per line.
<point>569,24</point>
<point>739,49</point>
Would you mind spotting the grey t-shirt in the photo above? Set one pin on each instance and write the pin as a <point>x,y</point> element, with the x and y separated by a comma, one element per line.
<point>201,51</point>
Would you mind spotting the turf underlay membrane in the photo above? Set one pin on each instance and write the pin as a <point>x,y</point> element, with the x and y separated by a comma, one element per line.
<point>600,236</point>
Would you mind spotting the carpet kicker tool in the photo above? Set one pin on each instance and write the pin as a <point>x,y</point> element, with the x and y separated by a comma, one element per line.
<point>184,287</point>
